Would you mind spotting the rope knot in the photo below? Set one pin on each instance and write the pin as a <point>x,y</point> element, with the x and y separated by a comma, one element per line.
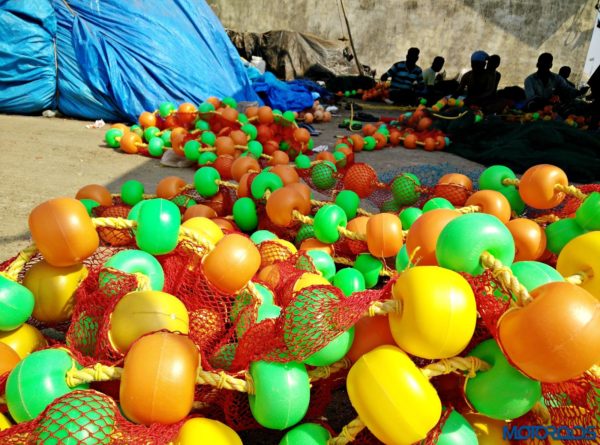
<point>222,380</point>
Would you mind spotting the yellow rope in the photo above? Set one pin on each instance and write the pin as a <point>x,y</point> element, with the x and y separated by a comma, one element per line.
<point>594,371</point>
<point>114,223</point>
<point>445,366</point>
<point>13,270</point>
<point>231,185</point>
<point>318,203</point>
<point>343,261</point>
<point>385,307</point>
<point>252,290</point>
<point>324,372</point>
<point>511,181</point>
<point>387,273</point>
<point>469,209</point>
<point>96,373</point>
<point>570,190</point>
<point>143,281</point>
<point>194,237</point>
<point>362,212</point>
<point>102,373</point>
<point>578,279</point>
<point>2,400</point>
<point>222,380</point>
<point>352,235</point>
<point>508,281</point>
<point>546,219</point>
<point>349,433</point>
<point>144,196</point>
<point>542,412</point>
<point>449,118</point>
<point>187,187</point>
<point>302,218</point>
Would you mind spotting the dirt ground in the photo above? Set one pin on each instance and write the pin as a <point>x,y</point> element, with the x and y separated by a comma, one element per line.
<point>45,158</point>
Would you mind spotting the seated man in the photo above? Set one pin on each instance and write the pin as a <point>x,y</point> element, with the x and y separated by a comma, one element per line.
<point>407,79</point>
<point>432,75</point>
<point>542,87</point>
<point>565,72</point>
<point>478,84</point>
<point>492,68</point>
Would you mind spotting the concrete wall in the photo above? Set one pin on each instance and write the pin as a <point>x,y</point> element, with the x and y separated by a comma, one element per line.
<point>517,30</point>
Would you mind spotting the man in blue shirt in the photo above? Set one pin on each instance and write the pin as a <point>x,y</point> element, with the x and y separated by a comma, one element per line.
<point>407,79</point>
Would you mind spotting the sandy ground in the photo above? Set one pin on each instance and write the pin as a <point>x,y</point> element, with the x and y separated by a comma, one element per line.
<point>45,158</point>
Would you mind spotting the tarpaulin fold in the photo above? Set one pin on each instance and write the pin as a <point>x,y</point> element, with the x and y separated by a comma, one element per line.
<point>115,59</point>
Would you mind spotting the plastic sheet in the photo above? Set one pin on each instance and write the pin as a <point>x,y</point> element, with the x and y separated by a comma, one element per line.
<point>115,59</point>
<point>282,95</point>
<point>27,62</point>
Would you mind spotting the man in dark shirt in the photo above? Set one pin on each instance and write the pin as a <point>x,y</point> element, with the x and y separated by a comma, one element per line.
<point>565,72</point>
<point>478,84</point>
<point>543,86</point>
<point>492,68</point>
<point>406,79</point>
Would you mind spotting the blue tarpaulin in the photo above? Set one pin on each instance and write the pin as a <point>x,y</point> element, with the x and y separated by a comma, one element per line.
<point>282,95</point>
<point>115,59</point>
<point>27,62</point>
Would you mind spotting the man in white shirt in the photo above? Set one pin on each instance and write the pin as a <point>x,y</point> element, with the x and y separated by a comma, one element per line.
<point>430,75</point>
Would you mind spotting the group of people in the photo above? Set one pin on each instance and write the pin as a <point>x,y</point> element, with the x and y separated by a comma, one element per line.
<point>480,84</point>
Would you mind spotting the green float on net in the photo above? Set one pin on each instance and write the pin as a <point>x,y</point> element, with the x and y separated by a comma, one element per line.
<point>406,189</point>
<point>206,181</point>
<point>166,108</point>
<point>244,214</point>
<point>132,192</point>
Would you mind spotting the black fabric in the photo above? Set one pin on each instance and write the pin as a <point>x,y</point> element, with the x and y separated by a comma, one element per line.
<point>349,83</point>
<point>520,146</point>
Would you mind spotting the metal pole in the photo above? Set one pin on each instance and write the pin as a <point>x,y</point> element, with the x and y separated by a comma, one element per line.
<point>358,65</point>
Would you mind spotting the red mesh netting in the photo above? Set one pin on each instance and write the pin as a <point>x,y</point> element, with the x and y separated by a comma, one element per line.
<point>309,321</point>
<point>571,203</point>
<point>489,306</point>
<point>3,378</point>
<point>225,330</point>
<point>86,417</point>
<point>322,179</point>
<point>115,237</point>
<point>455,193</point>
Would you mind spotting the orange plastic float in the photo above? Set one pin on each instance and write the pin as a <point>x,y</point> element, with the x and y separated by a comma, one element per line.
<point>63,231</point>
<point>158,381</point>
<point>96,192</point>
